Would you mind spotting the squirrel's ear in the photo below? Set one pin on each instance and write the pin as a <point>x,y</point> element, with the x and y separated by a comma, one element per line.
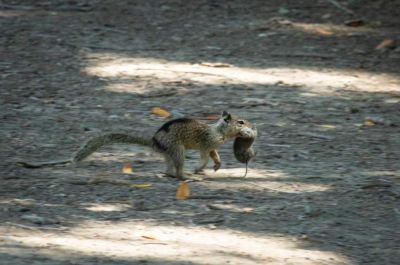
<point>226,116</point>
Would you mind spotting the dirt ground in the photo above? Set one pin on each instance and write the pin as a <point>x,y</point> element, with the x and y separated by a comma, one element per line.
<point>320,81</point>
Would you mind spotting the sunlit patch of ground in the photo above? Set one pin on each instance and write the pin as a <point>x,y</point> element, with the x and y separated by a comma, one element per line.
<point>134,240</point>
<point>262,179</point>
<point>108,207</point>
<point>320,81</point>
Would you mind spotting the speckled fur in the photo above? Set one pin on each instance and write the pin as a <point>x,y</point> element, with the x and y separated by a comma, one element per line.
<point>177,136</point>
<point>172,139</point>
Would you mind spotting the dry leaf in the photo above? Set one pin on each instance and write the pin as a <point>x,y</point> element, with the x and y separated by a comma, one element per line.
<point>149,237</point>
<point>182,193</point>
<point>127,169</point>
<point>369,123</point>
<point>386,44</point>
<point>354,23</point>
<point>160,112</point>
<point>141,186</point>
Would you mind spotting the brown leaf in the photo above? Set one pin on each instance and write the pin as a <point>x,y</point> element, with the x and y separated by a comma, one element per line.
<point>182,193</point>
<point>386,44</point>
<point>354,23</point>
<point>127,169</point>
<point>149,237</point>
<point>160,112</point>
<point>369,123</point>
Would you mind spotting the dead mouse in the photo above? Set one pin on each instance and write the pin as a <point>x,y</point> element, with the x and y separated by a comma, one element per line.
<point>243,150</point>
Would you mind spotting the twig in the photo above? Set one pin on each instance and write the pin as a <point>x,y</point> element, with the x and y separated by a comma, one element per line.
<point>316,135</point>
<point>315,55</point>
<point>249,105</point>
<point>165,94</point>
<point>210,221</point>
<point>183,72</point>
<point>98,47</point>
<point>279,145</point>
<point>73,8</point>
<point>23,226</point>
<point>36,228</point>
<point>340,6</point>
<point>206,197</point>
<point>60,8</point>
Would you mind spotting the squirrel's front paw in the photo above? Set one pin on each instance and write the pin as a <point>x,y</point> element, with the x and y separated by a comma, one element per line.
<point>217,166</point>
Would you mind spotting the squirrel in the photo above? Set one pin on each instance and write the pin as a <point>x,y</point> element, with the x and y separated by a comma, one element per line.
<point>172,140</point>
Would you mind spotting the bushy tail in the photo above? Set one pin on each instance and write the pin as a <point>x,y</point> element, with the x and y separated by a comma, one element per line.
<point>43,164</point>
<point>92,146</point>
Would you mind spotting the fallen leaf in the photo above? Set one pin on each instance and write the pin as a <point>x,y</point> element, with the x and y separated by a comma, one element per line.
<point>386,44</point>
<point>141,186</point>
<point>149,237</point>
<point>354,23</point>
<point>182,193</point>
<point>369,123</point>
<point>160,112</point>
<point>127,169</point>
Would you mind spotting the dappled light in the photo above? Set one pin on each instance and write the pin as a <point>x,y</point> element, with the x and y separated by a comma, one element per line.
<point>108,207</point>
<point>257,178</point>
<point>99,101</point>
<point>149,240</point>
<point>323,81</point>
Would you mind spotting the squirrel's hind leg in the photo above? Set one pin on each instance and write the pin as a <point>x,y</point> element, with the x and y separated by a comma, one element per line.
<point>177,156</point>
<point>170,171</point>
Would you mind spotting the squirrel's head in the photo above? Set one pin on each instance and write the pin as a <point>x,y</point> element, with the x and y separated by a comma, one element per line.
<point>236,127</point>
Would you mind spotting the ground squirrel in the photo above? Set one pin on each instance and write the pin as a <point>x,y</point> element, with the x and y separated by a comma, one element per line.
<point>175,137</point>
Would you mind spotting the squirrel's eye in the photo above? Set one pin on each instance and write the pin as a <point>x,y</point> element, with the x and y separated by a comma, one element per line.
<point>241,122</point>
